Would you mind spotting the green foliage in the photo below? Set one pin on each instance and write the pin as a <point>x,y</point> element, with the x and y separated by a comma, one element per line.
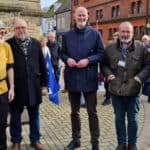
<point>50,12</point>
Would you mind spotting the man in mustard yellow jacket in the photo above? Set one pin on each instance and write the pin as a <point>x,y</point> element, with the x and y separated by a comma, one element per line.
<point>6,95</point>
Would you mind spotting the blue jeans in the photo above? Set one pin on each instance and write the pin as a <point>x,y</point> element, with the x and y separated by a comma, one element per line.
<point>129,106</point>
<point>15,123</point>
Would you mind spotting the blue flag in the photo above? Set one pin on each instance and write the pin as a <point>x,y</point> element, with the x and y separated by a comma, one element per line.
<point>53,85</point>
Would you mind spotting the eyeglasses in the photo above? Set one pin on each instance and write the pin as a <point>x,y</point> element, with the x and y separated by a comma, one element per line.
<point>20,27</point>
<point>3,32</point>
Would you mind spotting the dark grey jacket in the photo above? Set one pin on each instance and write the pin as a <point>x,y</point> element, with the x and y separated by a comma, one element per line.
<point>137,64</point>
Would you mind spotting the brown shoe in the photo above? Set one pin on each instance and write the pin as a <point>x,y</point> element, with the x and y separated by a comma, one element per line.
<point>15,146</point>
<point>37,146</point>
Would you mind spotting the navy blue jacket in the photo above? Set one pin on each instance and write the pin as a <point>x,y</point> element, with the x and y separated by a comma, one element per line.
<point>79,44</point>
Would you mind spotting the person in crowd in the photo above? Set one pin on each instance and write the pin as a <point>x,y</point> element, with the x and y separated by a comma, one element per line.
<point>61,80</point>
<point>30,83</point>
<point>6,93</point>
<point>107,99</point>
<point>54,48</point>
<point>82,49</point>
<point>115,36</point>
<point>45,49</point>
<point>146,87</point>
<point>126,66</point>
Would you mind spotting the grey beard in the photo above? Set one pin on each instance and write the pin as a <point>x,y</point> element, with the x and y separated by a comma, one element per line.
<point>126,40</point>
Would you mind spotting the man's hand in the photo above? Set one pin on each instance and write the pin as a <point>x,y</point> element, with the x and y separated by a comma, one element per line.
<point>136,78</point>
<point>71,62</point>
<point>82,63</point>
<point>44,91</point>
<point>111,77</point>
<point>11,94</point>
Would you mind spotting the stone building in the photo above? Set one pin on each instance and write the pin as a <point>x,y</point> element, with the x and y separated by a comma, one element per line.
<point>30,10</point>
<point>63,19</point>
<point>106,15</point>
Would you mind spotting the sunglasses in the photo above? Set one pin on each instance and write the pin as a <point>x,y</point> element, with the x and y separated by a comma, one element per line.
<point>3,32</point>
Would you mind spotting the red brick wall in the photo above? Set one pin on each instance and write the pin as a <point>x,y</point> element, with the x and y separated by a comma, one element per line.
<point>108,22</point>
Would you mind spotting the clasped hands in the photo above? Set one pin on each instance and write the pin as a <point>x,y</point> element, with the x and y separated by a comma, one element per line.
<point>80,64</point>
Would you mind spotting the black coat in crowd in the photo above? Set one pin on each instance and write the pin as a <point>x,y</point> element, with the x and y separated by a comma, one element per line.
<point>54,48</point>
<point>30,73</point>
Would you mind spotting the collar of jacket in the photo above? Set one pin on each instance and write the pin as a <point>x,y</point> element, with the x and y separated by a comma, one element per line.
<point>130,48</point>
<point>83,30</point>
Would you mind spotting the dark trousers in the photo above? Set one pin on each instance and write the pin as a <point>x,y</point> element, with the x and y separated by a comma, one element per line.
<point>3,120</point>
<point>91,103</point>
<point>106,90</point>
<point>16,127</point>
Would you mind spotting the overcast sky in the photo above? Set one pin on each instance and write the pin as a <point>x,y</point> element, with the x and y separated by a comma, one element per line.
<point>47,3</point>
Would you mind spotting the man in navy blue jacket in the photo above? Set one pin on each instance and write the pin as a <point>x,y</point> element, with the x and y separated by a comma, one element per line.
<point>82,49</point>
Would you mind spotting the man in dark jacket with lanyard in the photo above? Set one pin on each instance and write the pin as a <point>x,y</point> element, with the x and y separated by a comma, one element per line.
<point>126,66</point>
<point>82,49</point>
<point>30,83</point>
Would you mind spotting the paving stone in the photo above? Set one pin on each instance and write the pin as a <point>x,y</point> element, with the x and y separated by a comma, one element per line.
<point>56,126</point>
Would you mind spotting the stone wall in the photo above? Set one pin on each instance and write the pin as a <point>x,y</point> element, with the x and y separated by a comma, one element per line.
<point>29,10</point>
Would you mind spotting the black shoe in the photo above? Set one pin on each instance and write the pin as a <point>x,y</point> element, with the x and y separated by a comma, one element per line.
<point>106,102</point>
<point>73,144</point>
<point>148,99</point>
<point>95,147</point>
<point>121,147</point>
<point>132,147</point>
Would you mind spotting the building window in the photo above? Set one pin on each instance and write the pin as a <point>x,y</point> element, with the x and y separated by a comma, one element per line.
<point>136,32</point>
<point>110,33</point>
<point>142,31</point>
<point>133,7</point>
<point>113,11</point>
<point>117,10</point>
<point>75,2</point>
<point>99,14</point>
<point>139,7</point>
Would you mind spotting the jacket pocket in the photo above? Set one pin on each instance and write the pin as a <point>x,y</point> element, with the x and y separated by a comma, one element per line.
<point>132,87</point>
<point>136,62</point>
<point>114,86</point>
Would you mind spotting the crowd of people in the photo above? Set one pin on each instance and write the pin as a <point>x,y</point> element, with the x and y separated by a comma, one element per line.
<point>124,63</point>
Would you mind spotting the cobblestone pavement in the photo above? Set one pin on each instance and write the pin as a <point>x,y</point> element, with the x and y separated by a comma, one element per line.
<point>56,127</point>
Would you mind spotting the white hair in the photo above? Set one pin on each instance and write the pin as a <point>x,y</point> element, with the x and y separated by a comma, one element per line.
<point>145,37</point>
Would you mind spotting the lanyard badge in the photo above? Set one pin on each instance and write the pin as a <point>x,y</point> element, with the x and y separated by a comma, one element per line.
<point>122,63</point>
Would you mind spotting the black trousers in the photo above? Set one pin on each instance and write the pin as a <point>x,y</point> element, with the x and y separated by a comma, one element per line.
<point>91,103</point>
<point>107,91</point>
<point>4,107</point>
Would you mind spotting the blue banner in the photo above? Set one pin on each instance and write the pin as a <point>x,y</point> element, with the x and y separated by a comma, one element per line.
<point>53,85</point>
